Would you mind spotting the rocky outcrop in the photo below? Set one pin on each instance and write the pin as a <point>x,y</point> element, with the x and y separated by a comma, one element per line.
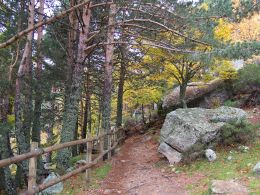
<point>184,129</point>
<point>199,94</point>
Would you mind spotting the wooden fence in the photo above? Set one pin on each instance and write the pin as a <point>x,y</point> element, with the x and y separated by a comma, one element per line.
<point>114,137</point>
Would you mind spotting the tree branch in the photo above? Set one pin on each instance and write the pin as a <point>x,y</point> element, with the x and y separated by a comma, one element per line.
<point>39,24</point>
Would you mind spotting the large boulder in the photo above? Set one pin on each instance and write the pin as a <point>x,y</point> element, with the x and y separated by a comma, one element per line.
<point>183,129</point>
<point>199,94</point>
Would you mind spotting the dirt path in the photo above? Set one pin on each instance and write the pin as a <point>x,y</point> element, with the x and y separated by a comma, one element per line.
<point>134,172</point>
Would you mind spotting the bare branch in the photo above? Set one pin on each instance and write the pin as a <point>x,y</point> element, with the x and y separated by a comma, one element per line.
<point>39,24</point>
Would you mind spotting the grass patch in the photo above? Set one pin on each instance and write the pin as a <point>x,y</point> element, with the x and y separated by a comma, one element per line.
<point>75,159</point>
<point>78,184</point>
<point>240,168</point>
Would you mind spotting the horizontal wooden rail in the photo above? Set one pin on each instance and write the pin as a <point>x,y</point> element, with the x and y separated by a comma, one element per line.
<point>44,186</point>
<point>40,151</point>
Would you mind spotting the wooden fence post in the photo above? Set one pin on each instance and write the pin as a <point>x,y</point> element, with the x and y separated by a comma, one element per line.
<point>88,159</point>
<point>32,168</point>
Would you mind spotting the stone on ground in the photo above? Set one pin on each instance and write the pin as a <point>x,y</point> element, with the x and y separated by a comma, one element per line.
<point>172,155</point>
<point>229,187</point>
<point>211,155</point>
<point>256,168</point>
<point>55,189</point>
<point>243,149</point>
<point>183,129</point>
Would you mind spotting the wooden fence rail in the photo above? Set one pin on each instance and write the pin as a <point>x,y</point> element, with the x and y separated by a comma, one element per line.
<point>40,151</point>
<point>33,188</point>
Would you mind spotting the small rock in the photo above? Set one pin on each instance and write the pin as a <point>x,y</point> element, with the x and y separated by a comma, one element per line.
<point>211,155</point>
<point>229,158</point>
<point>243,149</point>
<point>256,168</point>
<point>228,187</point>
<point>123,161</point>
<point>108,191</point>
<point>70,169</point>
<point>256,110</point>
<point>55,189</point>
<point>81,162</point>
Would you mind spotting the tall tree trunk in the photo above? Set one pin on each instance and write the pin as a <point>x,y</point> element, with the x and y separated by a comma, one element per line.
<point>70,114</point>
<point>10,187</point>
<point>99,115</point>
<point>22,127</point>
<point>75,148</point>
<point>5,150</point>
<point>108,73</point>
<point>89,116</point>
<point>120,93</point>
<point>71,52</point>
<point>49,129</point>
<point>182,95</point>
<point>143,114</point>
<point>86,113</point>
<point>36,129</point>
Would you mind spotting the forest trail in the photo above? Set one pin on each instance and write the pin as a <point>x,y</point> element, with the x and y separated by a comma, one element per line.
<point>134,172</point>
<point>136,169</point>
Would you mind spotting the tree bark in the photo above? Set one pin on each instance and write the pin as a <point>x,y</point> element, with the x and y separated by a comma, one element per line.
<point>143,114</point>
<point>70,114</point>
<point>75,148</point>
<point>5,149</point>
<point>22,126</point>
<point>87,116</point>
<point>108,74</point>
<point>86,111</point>
<point>36,129</point>
<point>182,96</point>
<point>120,93</point>
<point>49,129</point>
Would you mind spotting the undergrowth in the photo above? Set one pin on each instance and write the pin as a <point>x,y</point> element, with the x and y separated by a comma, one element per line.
<point>238,168</point>
<point>78,183</point>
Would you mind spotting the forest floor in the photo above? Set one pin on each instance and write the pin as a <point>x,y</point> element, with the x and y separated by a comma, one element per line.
<point>138,169</point>
<point>134,171</point>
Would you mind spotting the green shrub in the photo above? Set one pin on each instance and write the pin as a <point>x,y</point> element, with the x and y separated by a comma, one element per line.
<point>75,159</point>
<point>231,103</point>
<point>196,151</point>
<point>239,131</point>
<point>249,76</point>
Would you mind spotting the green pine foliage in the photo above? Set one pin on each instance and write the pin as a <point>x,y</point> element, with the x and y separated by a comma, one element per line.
<point>249,76</point>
